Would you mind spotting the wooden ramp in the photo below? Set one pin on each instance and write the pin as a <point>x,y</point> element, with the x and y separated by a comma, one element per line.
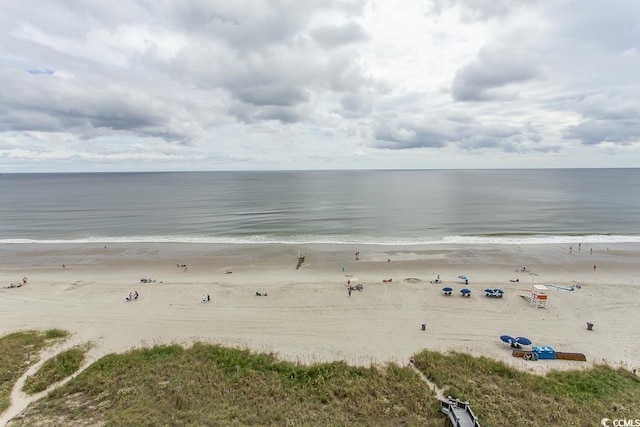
<point>571,356</point>
<point>531,355</point>
<point>459,413</point>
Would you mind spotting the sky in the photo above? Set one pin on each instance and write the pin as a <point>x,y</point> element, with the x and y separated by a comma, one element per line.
<point>180,85</point>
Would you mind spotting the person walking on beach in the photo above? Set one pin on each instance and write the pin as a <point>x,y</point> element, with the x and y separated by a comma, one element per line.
<point>594,268</point>
<point>358,256</point>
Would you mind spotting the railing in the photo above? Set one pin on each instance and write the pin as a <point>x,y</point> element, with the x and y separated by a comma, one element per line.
<point>449,407</point>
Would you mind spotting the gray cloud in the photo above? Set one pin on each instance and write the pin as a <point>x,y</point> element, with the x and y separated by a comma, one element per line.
<point>488,75</point>
<point>273,95</point>
<point>53,104</point>
<point>462,132</point>
<point>257,55</point>
<point>477,10</point>
<point>283,115</point>
<point>606,118</point>
<point>356,105</point>
<point>255,25</point>
<point>332,36</point>
<point>220,81</point>
<point>592,132</point>
<point>402,135</point>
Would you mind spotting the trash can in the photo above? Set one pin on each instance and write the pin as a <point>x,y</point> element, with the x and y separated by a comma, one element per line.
<point>424,326</point>
<point>589,326</point>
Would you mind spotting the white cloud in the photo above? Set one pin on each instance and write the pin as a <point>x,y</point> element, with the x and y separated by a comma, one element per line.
<point>202,84</point>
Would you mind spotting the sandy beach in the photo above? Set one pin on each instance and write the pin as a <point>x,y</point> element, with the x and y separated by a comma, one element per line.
<point>308,315</point>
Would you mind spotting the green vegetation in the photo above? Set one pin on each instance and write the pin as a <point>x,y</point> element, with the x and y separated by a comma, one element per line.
<point>212,385</point>
<point>18,351</point>
<point>55,333</point>
<point>500,395</point>
<point>55,369</point>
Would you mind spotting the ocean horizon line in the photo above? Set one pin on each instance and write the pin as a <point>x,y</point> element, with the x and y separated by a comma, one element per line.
<point>80,172</point>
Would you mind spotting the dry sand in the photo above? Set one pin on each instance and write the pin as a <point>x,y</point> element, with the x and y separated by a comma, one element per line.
<point>308,315</point>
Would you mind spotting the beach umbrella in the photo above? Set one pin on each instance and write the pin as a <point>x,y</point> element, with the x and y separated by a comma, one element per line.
<point>523,340</point>
<point>498,291</point>
<point>507,338</point>
<point>489,291</point>
<point>465,291</point>
<point>447,289</point>
<point>461,277</point>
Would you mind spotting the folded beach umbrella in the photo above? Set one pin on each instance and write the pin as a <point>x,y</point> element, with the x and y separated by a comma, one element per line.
<point>507,338</point>
<point>447,289</point>
<point>465,291</point>
<point>523,340</point>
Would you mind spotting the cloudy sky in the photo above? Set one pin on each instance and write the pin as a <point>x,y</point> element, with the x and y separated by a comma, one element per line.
<point>147,85</point>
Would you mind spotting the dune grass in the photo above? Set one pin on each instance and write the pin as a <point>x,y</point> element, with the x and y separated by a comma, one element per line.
<point>55,369</point>
<point>501,395</point>
<point>51,334</point>
<point>18,351</point>
<point>213,385</point>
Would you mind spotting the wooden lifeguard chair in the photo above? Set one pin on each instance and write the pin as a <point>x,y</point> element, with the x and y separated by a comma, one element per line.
<point>538,296</point>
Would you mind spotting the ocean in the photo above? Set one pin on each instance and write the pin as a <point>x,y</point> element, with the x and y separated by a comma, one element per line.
<point>394,207</point>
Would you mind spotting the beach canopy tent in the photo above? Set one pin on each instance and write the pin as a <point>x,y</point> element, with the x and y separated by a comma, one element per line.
<point>523,340</point>
<point>507,338</point>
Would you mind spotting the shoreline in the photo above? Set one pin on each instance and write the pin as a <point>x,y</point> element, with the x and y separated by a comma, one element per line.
<point>308,316</point>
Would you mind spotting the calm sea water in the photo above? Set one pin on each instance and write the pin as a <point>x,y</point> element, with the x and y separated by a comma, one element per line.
<point>383,207</point>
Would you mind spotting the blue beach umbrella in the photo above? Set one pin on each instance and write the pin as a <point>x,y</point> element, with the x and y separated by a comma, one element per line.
<point>523,340</point>
<point>489,291</point>
<point>465,291</point>
<point>447,289</point>
<point>507,338</point>
<point>498,291</point>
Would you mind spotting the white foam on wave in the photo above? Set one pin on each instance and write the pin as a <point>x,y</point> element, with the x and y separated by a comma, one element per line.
<point>346,240</point>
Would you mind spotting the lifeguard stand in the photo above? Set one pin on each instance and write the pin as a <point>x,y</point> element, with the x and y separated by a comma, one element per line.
<point>538,296</point>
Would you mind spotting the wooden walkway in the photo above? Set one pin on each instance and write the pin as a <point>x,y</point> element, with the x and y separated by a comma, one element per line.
<point>459,413</point>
